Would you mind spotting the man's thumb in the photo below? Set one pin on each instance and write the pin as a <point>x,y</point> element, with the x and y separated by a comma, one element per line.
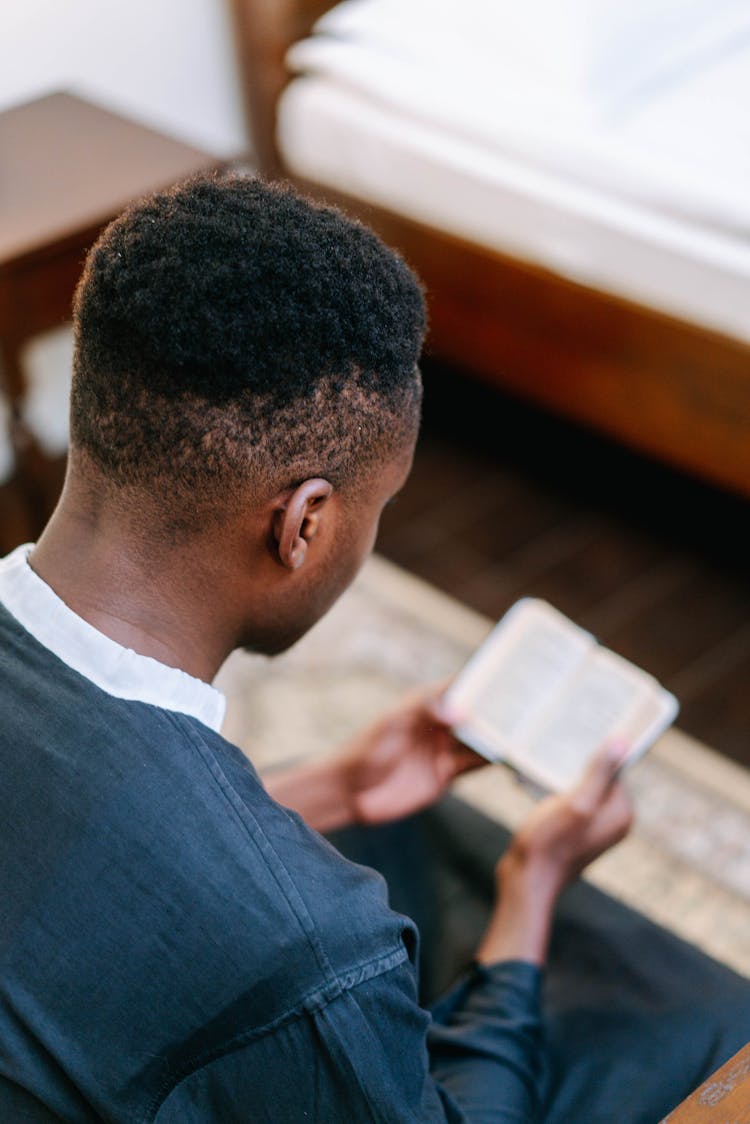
<point>600,772</point>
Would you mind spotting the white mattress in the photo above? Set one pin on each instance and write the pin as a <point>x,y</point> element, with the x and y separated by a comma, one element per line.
<point>634,181</point>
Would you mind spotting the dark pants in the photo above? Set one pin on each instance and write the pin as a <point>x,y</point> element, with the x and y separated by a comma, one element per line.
<point>635,1017</point>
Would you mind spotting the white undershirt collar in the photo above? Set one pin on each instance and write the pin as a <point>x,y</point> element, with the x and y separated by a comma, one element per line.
<point>118,671</point>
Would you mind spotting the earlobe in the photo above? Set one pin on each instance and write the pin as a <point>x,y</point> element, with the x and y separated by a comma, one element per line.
<point>298,554</point>
<point>297,519</point>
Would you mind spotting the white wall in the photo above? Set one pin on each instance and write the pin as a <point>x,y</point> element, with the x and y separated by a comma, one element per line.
<point>168,63</point>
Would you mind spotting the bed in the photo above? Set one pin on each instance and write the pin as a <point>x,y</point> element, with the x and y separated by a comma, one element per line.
<point>569,180</point>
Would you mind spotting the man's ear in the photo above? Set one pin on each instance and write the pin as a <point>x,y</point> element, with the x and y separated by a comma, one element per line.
<point>296,520</point>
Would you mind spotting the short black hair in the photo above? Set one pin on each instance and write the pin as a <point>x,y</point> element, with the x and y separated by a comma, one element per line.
<point>231,331</point>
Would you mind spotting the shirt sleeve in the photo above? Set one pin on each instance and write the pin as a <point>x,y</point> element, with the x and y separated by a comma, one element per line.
<point>371,1054</point>
<point>486,1043</point>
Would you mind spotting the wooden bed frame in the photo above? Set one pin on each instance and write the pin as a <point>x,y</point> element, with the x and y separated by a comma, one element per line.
<point>665,387</point>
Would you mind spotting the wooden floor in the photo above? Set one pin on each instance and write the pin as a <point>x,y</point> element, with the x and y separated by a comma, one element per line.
<point>504,501</point>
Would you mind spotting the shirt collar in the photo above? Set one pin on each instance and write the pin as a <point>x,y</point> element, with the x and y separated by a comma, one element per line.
<point>118,671</point>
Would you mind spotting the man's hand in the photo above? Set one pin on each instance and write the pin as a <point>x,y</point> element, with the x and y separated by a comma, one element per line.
<point>401,764</point>
<point>563,834</point>
<point>405,761</point>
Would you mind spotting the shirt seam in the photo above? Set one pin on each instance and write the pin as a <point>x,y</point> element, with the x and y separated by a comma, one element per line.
<point>311,1003</point>
<point>258,837</point>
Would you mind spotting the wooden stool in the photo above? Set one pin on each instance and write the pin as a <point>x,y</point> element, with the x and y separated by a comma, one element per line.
<point>66,169</point>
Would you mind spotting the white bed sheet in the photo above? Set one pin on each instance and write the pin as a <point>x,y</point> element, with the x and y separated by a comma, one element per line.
<point>608,143</point>
<point>334,135</point>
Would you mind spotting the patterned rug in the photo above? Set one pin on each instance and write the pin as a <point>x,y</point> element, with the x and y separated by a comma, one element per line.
<point>687,862</point>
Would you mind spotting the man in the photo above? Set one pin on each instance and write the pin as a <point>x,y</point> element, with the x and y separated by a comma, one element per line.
<point>176,944</point>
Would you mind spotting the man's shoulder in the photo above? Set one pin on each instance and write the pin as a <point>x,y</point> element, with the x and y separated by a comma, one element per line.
<point>153,807</point>
<point>342,905</point>
<point>150,877</point>
<point>183,809</point>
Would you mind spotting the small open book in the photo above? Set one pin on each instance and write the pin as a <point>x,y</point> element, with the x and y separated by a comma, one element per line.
<point>542,695</point>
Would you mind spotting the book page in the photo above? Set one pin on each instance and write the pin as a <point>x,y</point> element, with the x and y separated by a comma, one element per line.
<point>543,696</point>
<point>609,698</point>
<point>520,667</point>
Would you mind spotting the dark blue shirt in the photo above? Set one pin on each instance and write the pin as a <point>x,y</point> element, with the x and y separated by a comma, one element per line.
<point>175,946</point>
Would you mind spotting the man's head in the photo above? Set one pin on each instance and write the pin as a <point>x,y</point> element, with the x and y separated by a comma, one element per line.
<point>231,334</point>
<point>233,342</point>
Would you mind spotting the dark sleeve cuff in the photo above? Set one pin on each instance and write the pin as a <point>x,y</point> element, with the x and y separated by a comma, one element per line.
<point>517,984</point>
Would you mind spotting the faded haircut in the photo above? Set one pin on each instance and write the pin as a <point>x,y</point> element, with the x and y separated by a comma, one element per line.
<point>230,333</point>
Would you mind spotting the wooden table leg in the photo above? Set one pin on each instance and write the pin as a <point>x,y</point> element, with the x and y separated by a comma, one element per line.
<point>33,491</point>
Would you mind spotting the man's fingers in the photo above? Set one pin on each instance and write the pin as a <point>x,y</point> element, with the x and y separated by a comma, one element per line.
<point>465,759</point>
<point>443,711</point>
<point>599,775</point>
